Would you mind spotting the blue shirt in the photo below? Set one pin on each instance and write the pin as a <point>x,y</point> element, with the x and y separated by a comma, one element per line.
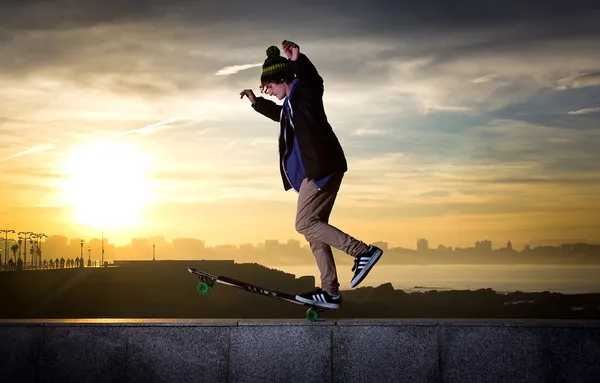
<point>292,164</point>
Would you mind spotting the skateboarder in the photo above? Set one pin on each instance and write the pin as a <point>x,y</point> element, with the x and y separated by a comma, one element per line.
<point>311,161</point>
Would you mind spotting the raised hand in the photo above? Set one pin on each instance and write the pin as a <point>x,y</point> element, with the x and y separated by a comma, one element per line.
<point>290,49</point>
<point>248,93</point>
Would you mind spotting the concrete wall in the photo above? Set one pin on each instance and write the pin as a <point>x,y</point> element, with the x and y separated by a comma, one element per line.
<point>298,351</point>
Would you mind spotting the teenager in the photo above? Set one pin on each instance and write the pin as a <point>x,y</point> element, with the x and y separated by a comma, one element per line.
<point>312,162</point>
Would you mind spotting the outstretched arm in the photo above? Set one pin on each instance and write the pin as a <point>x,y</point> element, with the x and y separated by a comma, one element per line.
<point>312,82</point>
<point>265,107</point>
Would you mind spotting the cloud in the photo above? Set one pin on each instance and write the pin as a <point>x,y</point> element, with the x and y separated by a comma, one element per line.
<point>369,132</point>
<point>473,60</point>
<point>548,149</point>
<point>425,97</point>
<point>33,149</point>
<point>235,69</point>
<point>579,81</point>
<point>149,129</point>
<point>585,111</point>
<point>435,194</point>
<point>446,108</point>
<point>381,14</point>
<point>486,78</point>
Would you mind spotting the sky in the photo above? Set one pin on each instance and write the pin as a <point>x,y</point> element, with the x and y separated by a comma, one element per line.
<point>460,120</point>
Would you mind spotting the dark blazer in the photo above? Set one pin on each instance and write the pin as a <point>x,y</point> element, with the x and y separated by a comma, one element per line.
<point>320,149</point>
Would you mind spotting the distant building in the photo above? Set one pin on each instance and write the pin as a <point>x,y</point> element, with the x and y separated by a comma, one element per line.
<point>271,245</point>
<point>509,246</point>
<point>141,242</point>
<point>484,245</point>
<point>382,245</point>
<point>157,240</point>
<point>187,248</point>
<point>55,246</point>
<point>422,244</point>
<point>141,248</point>
<point>246,247</point>
<point>293,244</point>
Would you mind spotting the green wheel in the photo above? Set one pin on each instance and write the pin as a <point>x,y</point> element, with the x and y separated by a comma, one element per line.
<point>210,283</point>
<point>203,287</point>
<point>312,315</point>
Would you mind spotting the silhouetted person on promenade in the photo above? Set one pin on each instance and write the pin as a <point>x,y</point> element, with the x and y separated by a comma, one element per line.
<point>311,161</point>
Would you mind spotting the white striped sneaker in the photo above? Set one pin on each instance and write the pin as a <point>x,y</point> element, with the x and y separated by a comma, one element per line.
<point>363,264</point>
<point>321,298</point>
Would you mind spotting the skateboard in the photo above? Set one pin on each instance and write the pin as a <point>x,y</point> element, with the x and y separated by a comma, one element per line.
<point>207,281</point>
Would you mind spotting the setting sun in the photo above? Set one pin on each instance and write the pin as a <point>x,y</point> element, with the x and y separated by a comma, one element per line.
<point>107,184</point>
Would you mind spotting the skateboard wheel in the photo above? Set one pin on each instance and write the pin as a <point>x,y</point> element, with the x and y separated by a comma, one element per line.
<point>203,287</point>
<point>210,283</point>
<point>312,315</point>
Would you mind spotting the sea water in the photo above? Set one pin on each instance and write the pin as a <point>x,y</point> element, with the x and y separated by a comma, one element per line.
<point>566,279</point>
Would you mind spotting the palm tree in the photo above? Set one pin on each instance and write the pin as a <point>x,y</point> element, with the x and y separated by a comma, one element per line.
<point>14,248</point>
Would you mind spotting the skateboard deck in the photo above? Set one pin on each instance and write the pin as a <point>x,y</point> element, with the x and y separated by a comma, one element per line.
<point>207,282</point>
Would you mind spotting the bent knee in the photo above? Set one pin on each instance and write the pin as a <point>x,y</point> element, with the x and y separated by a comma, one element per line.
<point>303,226</point>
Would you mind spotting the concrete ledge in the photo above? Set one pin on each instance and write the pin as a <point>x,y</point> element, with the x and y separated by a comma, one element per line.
<point>155,350</point>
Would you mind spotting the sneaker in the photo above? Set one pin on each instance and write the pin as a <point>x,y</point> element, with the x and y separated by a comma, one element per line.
<point>363,264</point>
<point>321,298</point>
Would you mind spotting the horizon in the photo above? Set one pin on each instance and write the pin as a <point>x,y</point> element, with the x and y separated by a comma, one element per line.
<point>458,124</point>
<point>499,245</point>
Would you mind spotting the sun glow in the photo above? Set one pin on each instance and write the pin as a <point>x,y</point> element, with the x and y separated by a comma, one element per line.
<point>107,184</point>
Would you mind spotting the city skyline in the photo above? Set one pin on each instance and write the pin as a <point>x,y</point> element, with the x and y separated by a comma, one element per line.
<point>457,124</point>
<point>419,242</point>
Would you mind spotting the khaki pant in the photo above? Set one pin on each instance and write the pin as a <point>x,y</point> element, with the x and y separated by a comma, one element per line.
<point>312,217</point>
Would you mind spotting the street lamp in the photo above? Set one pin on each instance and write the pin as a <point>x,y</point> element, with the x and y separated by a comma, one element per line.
<point>89,253</point>
<point>31,249</point>
<point>18,262</point>
<point>25,235</point>
<point>41,236</point>
<point>81,259</point>
<point>6,231</point>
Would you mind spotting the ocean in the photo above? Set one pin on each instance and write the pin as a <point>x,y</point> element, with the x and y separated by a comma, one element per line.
<point>566,279</point>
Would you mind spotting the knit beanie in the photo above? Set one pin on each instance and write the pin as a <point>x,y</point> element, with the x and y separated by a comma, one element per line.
<point>275,68</point>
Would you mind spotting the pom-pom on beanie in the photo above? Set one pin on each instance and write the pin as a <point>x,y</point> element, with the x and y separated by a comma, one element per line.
<point>275,68</point>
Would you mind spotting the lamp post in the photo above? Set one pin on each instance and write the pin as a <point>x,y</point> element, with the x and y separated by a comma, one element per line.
<point>41,236</point>
<point>18,263</point>
<point>6,231</point>
<point>102,264</point>
<point>89,254</point>
<point>20,240</point>
<point>25,235</point>
<point>31,249</point>
<point>81,259</point>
